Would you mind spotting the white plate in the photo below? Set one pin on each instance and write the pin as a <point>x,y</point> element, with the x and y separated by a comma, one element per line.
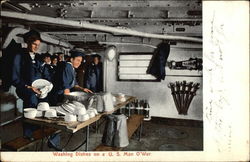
<point>29,112</point>
<point>70,118</point>
<point>39,114</point>
<point>50,113</point>
<point>60,110</point>
<point>65,109</point>
<point>69,107</point>
<point>78,104</point>
<point>41,83</point>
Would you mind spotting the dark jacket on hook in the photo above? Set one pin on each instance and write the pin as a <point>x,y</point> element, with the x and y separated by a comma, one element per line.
<point>158,61</point>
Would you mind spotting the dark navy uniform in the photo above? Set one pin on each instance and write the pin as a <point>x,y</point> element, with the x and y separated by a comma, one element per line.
<point>48,72</point>
<point>25,71</point>
<point>94,78</point>
<point>65,78</point>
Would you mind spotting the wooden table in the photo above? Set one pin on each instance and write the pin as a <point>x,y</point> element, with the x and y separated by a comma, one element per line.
<point>73,127</point>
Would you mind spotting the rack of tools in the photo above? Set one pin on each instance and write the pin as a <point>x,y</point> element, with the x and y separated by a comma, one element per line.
<point>183,94</point>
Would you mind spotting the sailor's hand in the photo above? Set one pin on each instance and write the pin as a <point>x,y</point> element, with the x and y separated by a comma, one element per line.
<point>66,91</point>
<point>37,91</point>
<point>87,90</point>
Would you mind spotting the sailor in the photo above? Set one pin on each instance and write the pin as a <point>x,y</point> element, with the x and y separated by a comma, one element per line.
<point>94,74</point>
<point>48,69</point>
<point>60,56</point>
<point>65,78</point>
<point>26,69</point>
<point>54,60</point>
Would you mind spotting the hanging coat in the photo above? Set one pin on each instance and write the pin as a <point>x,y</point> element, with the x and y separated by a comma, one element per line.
<point>158,61</point>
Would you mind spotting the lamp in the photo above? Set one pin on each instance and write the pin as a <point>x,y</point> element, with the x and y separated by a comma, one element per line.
<point>111,53</point>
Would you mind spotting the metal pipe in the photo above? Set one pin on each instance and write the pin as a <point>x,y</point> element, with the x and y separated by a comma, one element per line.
<point>134,44</point>
<point>46,38</point>
<point>10,121</point>
<point>86,25</point>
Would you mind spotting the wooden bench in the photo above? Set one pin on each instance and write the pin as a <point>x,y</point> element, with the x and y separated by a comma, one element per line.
<point>21,143</point>
<point>133,123</point>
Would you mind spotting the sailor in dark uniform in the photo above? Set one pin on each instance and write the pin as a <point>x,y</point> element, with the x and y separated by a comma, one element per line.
<point>65,78</point>
<point>54,60</point>
<point>94,75</point>
<point>26,69</point>
<point>48,69</point>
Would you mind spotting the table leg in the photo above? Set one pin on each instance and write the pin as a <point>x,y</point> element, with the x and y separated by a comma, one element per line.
<point>87,138</point>
<point>129,110</point>
<point>43,135</point>
<point>140,132</point>
<point>96,126</point>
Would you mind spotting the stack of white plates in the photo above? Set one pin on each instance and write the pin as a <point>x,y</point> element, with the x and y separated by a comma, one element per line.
<point>78,104</point>
<point>41,107</point>
<point>80,111</point>
<point>69,107</point>
<point>60,110</point>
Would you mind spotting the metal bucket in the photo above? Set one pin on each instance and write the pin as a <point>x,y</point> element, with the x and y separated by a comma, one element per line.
<point>81,97</point>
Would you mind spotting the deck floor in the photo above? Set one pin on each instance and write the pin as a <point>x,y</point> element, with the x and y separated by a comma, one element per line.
<point>156,136</point>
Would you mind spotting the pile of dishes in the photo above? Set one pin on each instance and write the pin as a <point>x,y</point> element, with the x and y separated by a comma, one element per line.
<point>75,111</point>
<point>121,97</point>
<point>43,86</point>
<point>43,110</point>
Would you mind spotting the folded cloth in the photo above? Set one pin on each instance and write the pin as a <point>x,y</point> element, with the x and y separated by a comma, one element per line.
<point>108,102</point>
<point>109,131</point>
<point>121,134</point>
<point>99,103</point>
<point>116,132</point>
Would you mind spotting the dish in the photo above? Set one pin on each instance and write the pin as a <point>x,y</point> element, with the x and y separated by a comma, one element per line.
<point>78,96</point>
<point>29,112</point>
<point>91,114</point>
<point>121,95</point>
<point>44,86</point>
<point>83,117</point>
<point>43,106</point>
<point>39,114</point>
<point>80,111</point>
<point>70,118</point>
<point>94,110</point>
<point>70,108</point>
<point>78,104</point>
<point>121,99</point>
<point>50,113</point>
<point>60,110</point>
